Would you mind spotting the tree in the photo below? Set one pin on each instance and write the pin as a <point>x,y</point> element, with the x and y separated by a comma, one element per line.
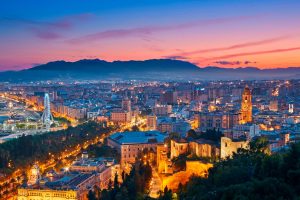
<point>134,185</point>
<point>109,187</point>
<point>250,174</point>
<point>135,128</point>
<point>116,181</point>
<point>91,195</point>
<point>192,134</point>
<point>123,176</point>
<point>212,134</point>
<point>167,194</point>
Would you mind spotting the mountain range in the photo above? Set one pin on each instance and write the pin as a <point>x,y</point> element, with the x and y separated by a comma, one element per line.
<point>154,69</point>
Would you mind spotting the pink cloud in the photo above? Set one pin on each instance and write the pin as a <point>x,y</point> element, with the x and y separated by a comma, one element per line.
<point>235,46</point>
<point>142,31</point>
<point>252,53</point>
<point>50,30</point>
<point>45,34</point>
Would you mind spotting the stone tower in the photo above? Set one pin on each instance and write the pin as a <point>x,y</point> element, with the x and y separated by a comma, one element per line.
<point>246,106</point>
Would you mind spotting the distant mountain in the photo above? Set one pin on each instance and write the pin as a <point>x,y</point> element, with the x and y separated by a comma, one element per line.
<point>97,65</point>
<point>155,69</point>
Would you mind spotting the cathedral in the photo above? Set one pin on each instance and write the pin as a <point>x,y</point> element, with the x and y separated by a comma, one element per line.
<point>246,107</point>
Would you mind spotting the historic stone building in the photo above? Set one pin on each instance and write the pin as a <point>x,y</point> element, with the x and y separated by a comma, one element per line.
<point>229,146</point>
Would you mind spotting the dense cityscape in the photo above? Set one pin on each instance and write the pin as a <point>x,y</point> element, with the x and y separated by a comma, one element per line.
<point>176,129</point>
<point>150,100</point>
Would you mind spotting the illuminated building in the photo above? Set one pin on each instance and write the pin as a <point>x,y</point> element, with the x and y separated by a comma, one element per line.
<point>193,168</point>
<point>200,148</point>
<point>151,122</point>
<point>247,131</point>
<point>126,104</point>
<point>229,146</point>
<point>273,105</point>
<point>69,187</point>
<point>218,120</point>
<point>284,138</point>
<point>164,164</point>
<point>246,106</point>
<point>92,115</point>
<point>291,108</point>
<point>76,113</point>
<point>164,126</point>
<point>162,110</point>
<point>120,116</point>
<point>132,144</point>
<point>103,167</point>
<point>204,148</point>
<point>169,97</point>
<point>179,147</point>
<point>45,194</point>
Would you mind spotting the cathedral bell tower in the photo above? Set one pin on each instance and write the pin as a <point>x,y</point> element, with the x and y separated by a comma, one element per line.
<point>246,106</point>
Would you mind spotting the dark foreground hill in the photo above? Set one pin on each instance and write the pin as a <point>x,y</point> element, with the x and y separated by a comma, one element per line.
<point>155,69</point>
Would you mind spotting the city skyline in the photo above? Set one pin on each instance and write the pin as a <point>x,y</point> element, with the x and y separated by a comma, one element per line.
<point>149,99</point>
<point>225,34</point>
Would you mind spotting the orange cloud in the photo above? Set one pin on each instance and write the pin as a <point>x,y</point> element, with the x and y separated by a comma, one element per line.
<point>251,53</point>
<point>236,46</point>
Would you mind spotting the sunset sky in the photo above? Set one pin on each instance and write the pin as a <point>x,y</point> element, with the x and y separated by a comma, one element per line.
<point>225,33</point>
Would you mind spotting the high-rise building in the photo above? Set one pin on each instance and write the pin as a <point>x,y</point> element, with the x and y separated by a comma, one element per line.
<point>162,110</point>
<point>291,108</point>
<point>126,104</point>
<point>273,105</point>
<point>169,97</point>
<point>120,116</point>
<point>246,107</point>
<point>151,122</point>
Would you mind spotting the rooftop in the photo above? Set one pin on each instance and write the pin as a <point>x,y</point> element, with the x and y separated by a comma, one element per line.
<point>69,181</point>
<point>93,162</point>
<point>138,137</point>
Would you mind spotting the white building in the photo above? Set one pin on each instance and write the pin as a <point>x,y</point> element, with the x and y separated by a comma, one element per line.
<point>245,130</point>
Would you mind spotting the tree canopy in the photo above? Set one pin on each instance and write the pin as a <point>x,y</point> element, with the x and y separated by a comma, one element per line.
<point>250,174</point>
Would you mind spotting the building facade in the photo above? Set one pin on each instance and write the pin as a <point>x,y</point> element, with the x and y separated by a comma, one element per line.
<point>120,116</point>
<point>151,122</point>
<point>132,144</point>
<point>246,107</point>
<point>229,146</point>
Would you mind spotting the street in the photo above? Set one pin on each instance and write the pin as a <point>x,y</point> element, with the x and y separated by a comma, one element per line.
<point>155,184</point>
